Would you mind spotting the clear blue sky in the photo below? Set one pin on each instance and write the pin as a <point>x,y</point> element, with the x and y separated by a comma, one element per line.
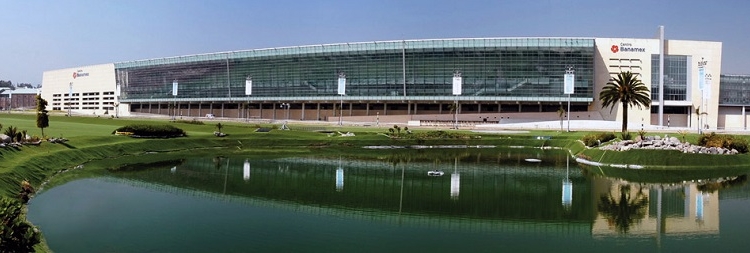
<point>37,35</point>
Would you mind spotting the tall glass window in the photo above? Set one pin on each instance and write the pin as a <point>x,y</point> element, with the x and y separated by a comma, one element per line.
<point>675,77</point>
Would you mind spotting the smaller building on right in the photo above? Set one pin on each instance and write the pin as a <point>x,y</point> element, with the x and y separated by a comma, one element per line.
<point>734,100</point>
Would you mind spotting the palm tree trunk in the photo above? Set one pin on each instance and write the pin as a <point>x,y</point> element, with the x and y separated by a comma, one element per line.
<point>624,117</point>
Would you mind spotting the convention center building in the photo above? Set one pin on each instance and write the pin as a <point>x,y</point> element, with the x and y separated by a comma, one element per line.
<point>494,80</point>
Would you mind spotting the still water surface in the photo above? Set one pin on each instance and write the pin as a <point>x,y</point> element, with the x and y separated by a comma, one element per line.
<point>485,201</point>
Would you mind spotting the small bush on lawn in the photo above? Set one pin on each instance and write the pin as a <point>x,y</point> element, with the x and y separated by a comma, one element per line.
<point>627,136</point>
<point>591,140</point>
<point>152,131</point>
<point>723,141</point>
<point>193,122</point>
<point>440,135</point>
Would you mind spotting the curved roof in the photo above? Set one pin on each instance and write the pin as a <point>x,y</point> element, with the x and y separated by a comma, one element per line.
<point>367,46</point>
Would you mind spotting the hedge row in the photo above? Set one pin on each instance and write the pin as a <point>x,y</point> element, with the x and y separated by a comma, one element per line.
<point>151,131</point>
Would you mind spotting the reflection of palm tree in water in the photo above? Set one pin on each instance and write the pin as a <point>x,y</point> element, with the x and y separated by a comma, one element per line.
<point>627,210</point>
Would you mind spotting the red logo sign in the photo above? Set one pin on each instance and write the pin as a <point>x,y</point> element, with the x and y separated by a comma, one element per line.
<point>75,75</point>
<point>615,48</point>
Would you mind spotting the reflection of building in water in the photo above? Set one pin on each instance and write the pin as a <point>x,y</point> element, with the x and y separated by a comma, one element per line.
<point>518,192</point>
<point>567,186</point>
<point>646,210</point>
<point>455,185</point>
<point>246,170</point>
<point>455,180</point>
<point>339,179</point>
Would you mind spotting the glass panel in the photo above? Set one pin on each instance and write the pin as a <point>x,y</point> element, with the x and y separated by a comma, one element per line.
<point>734,90</point>
<point>528,69</point>
<point>675,77</point>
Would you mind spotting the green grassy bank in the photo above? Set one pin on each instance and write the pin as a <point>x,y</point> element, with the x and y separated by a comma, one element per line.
<point>91,139</point>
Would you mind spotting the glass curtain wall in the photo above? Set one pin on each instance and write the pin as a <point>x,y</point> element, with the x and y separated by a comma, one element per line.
<point>734,90</point>
<point>675,77</point>
<point>530,68</point>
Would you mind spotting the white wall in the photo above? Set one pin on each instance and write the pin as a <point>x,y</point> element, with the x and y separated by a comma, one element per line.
<point>87,79</point>
<point>733,118</point>
<point>710,52</point>
<point>608,63</point>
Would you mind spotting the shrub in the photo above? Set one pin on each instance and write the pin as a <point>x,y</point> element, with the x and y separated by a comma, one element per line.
<point>738,144</point>
<point>11,132</point>
<point>438,135</point>
<point>627,136</point>
<point>682,133</point>
<point>17,234</point>
<point>592,140</point>
<point>34,138</point>
<point>152,131</point>
<point>723,141</point>
<point>642,134</point>
<point>193,122</point>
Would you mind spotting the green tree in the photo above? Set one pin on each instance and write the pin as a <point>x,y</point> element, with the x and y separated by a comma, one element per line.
<point>627,90</point>
<point>42,116</point>
<point>16,233</point>
<point>700,114</point>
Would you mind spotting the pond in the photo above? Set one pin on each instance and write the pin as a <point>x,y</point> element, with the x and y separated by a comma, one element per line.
<point>490,200</point>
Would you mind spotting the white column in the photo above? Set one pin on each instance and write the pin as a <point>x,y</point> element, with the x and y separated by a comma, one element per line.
<point>661,76</point>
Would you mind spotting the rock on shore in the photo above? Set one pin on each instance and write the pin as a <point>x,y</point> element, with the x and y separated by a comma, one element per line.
<point>666,143</point>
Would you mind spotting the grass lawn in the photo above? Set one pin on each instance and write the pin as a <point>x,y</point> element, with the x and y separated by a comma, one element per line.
<point>91,139</point>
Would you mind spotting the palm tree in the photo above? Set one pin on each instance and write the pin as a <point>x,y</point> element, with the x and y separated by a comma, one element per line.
<point>625,210</point>
<point>629,91</point>
<point>699,113</point>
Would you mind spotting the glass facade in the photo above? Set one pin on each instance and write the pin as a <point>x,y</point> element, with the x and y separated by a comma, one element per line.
<point>493,69</point>
<point>675,77</point>
<point>734,90</point>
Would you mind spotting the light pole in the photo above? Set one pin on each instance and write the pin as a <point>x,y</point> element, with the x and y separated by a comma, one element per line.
<point>248,92</point>
<point>70,97</point>
<point>457,82</point>
<point>117,102</point>
<point>174,98</point>
<point>342,93</point>
<point>569,87</point>
<point>285,106</point>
